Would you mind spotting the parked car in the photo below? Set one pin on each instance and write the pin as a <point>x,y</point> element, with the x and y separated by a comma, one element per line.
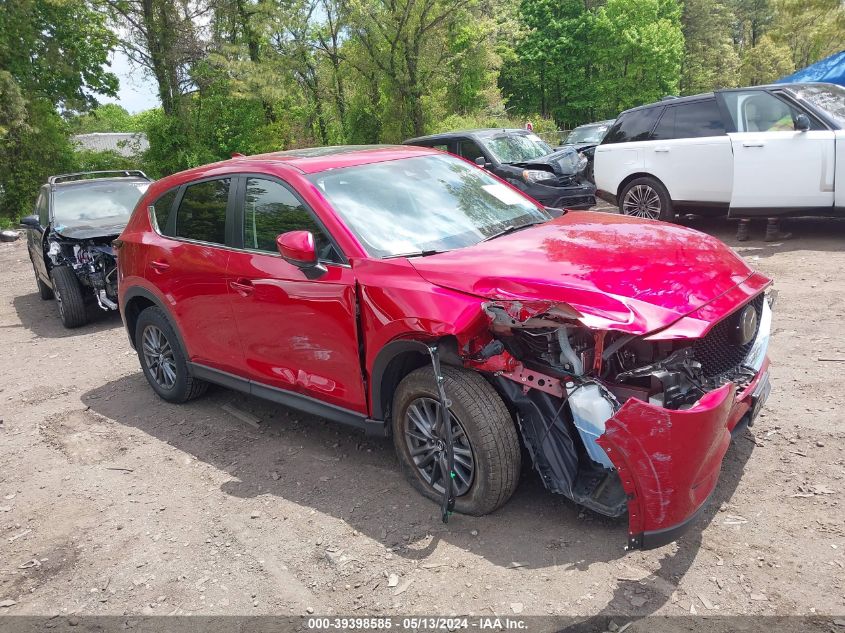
<point>760,151</point>
<point>69,238</point>
<point>383,287</point>
<point>584,138</point>
<point>554,178</point>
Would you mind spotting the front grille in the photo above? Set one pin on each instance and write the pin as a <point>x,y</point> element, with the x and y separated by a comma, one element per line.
<point>717,351</point>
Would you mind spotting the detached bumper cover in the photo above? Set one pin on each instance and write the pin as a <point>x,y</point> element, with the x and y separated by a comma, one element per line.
<point>669,461</point>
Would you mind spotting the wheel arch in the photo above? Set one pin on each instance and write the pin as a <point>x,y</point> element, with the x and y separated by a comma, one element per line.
<point>399,358</point>
<point>634,176</point>
<point>138,299</point>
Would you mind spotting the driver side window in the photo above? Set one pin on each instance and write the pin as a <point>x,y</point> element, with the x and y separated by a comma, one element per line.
<point>270,209</point>
<point>759,111</point>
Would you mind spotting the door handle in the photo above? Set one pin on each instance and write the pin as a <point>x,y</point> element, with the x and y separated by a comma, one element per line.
<point>661,150</point>
<point>243,287</point>
<point>753,144</point>
<point>159,266</point>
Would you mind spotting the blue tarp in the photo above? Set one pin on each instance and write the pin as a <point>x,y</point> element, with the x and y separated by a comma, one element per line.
<point>830,69</point>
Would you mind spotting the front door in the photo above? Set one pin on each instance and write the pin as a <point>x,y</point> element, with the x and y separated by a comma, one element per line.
<point>776,166</point>
<point>298,334</point>
<point>35,237</point>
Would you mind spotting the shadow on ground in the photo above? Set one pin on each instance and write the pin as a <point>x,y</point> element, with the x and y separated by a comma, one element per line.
<point>341,473</point>
<point>42,318</point>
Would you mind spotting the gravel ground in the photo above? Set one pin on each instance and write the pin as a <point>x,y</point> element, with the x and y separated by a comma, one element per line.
<point>114,502</point>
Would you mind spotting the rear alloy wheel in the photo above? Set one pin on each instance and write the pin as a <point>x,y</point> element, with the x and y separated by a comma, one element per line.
<point>484,438</point>
<point>69,298</point>
<point>164,362</point>
<point>648,199</point>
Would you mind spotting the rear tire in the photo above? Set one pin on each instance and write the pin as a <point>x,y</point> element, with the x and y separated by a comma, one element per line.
<point>163,360</point>
<point>489,430</point>
<point>646,198</point>
<point>69,298</point>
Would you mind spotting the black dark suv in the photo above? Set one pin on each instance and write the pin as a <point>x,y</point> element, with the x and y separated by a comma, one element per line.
<point>554,178</point>
<point>69,238</point>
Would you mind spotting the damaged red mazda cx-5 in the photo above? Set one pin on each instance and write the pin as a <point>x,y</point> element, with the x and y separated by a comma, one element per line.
<point>412,294</point>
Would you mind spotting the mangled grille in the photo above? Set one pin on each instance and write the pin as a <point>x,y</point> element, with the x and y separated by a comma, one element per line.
<point>718,352</point>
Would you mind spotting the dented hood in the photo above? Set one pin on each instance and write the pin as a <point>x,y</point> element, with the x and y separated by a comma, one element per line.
<point>563,161</point>
<point>620,273</point>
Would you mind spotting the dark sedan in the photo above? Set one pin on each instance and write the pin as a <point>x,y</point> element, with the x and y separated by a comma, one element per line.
<point>554,178</point>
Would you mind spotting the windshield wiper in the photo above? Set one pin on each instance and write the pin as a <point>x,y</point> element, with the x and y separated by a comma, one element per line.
<point>425,253</point>
<point>511,229</point>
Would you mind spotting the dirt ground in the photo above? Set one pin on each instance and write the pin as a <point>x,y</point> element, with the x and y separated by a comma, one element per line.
<point>114,502</point>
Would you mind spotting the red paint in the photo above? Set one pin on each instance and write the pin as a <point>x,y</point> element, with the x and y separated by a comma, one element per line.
<point>669,461</point>
<point>297,246</point>
<point>258,316</point>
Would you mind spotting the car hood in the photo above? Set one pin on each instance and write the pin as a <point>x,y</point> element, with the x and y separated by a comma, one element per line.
<point>564,162</point>
<point>619,273</point>
<point>82,232</point>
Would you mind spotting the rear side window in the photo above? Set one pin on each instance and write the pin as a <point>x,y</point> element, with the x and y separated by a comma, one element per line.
<point>690,120</point>
<point>160,212</point>
<point>202,212</point>
<point>270,209</point>
<point>633,126</point>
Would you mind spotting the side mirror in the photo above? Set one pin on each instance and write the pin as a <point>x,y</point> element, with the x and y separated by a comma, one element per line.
<point>802,123</point>
<point>481,162</point>
<point>31,222</point>
<point>298,248</point>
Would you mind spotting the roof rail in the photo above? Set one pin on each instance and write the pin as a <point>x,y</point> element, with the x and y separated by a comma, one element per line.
<point>127,173</point>
<point>669,97</point>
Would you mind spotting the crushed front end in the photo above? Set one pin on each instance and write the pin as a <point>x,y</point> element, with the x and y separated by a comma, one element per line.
<point>635,422</point>
<point>92,259</point>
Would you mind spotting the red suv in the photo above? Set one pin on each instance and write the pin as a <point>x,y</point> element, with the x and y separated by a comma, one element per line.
<point>412,294</point>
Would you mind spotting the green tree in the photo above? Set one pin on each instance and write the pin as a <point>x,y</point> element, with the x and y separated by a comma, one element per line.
<point>710,60</point>
<point>109,117</point>
<point>765,63</point>
<point>53,54</point>
<point>811,29</point>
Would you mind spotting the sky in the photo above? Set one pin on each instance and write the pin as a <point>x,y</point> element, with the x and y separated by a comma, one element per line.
<point>137,90</point>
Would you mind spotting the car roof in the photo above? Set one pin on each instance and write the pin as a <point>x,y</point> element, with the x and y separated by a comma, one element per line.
<point>595,123</point>
<point>477,132</point>
<point>705,95</point>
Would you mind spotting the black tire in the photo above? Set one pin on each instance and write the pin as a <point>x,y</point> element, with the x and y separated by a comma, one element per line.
<point>184,386</point>
<point>69,298</point>
<point>489,429</point>
<point>44,291</point>
<point>646,198</point>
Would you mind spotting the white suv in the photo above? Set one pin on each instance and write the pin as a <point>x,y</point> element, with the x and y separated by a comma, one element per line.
<point>762,151</point>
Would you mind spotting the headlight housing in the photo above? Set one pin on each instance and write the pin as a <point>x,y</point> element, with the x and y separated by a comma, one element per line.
<point>537,175</point>
<point>582,161</point>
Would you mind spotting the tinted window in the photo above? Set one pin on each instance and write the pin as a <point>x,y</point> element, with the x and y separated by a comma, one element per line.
<point>161,209</point>
<point>470,150</point>
<point>758,111</point>
<point>271,209</point>
<point>690,120</point>
<point>41,209</point>
<point>202,212</point>
<point>633,126</point>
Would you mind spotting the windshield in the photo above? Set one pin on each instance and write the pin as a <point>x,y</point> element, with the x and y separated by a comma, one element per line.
<point>426,203</point>
<point>587,134</point>
<point>517,148</point>
<point>96,204</point>
<point>826,97</point>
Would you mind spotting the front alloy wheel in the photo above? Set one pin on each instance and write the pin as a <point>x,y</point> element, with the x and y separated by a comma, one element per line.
<point>427,448</point>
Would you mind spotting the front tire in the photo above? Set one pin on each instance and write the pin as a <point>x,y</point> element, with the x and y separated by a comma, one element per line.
<point>164,362</point>
<point>646,198</point>
<point>487,452</point>
<point>69,298</point>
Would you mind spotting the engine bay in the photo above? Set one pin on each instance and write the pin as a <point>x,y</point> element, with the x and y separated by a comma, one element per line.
<point>93,260</point>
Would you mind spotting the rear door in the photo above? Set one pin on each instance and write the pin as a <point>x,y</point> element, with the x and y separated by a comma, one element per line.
<point>622,152</point>
<point>691,154</point>
<point>298,334</point>
<point>776,167</point>
<point>35,237</point>
<point>188,266</point>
